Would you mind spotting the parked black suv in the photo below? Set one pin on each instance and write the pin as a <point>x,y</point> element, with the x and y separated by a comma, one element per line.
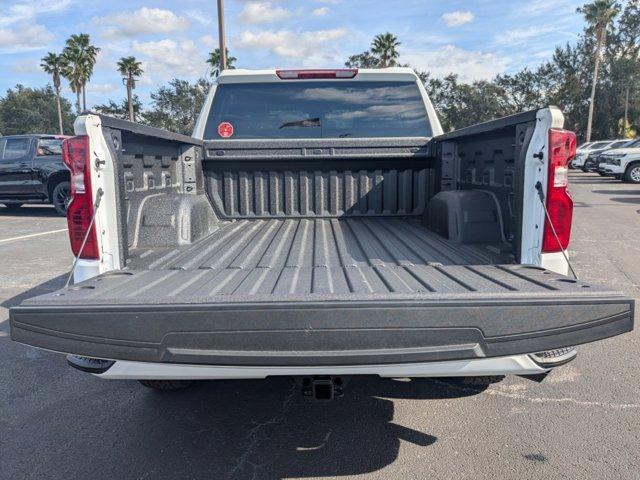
<point>31,171</point>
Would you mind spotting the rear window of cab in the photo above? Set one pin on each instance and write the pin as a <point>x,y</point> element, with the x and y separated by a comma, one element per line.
<point>317,109</point>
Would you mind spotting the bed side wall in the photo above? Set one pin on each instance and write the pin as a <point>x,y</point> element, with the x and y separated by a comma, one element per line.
<point>490,161</point>
<point>162,196</point>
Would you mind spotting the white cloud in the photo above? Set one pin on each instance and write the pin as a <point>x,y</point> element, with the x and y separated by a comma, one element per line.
<point>457,18</point>
<point>526,36</point>
<point>168,58</point>
<point>315,47</point>
<point>469,65</point>
<point>319,12</point>
<point>537,7</point>
<point>26,10</point>
<point>24,37</point>
<point>198,16</point>
<point>543,54</point>
<point>209,41</point>
<point>31,65</point>
<point>19,30</point>
<point>94,90</point>
<point>144,21</point>
<point>101,87</point>
<point>263,12</point>
<point>518,36</point>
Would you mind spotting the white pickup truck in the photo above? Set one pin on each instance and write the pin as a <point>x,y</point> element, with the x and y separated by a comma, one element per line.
<point>622,163</point>
<point>319,224</point>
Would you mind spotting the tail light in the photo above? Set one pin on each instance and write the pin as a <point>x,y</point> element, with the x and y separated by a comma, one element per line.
<point>562,149</point>
<point>75,155</point>
<point>315,74</point>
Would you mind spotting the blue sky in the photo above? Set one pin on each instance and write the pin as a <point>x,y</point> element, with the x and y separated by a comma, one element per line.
<point>476,39</point>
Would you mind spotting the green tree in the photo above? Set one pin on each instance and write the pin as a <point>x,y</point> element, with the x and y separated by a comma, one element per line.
<point>385,47</point>
<point>53,65</point>
<point>175,107</point>
<point>462,104</point>
<point>524,90</point>
<point>423,76</point>
<point>33,110</point>
<point>122,109</point>
<point>626,57</point>
<point>567,75</point>
<point>130,69</point>
<point>362,60</point>
<point>80,58</point>
<point>214,60</point>
<point>599,15</point>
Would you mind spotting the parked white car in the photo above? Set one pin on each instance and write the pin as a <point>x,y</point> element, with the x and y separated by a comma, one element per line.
<point>581,149</point>
<point>596,147</point>
<point>584,146</point>
<point>622,163</point>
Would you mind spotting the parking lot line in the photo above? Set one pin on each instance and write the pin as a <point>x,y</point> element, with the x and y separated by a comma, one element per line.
<point>33,235</point>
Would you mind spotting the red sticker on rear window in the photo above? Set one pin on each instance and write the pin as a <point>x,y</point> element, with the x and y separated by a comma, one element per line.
<point>225,130</point>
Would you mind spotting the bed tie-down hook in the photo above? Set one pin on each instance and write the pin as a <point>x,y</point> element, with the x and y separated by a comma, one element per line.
<point>98,162</point>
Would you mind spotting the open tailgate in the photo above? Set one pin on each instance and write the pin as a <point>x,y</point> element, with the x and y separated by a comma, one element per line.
<point>467,312</point>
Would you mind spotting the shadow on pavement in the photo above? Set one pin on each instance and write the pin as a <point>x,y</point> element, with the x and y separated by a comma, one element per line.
<point>49,286</point>
<point>632,200</point>
<point>618,192</point>
<point>593,180</point>
<point>265,429</point>
<point>29,211</point>
<point>221,429</point>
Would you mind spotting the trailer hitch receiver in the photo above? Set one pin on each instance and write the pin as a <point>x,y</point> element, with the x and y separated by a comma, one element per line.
<point>322,387</point>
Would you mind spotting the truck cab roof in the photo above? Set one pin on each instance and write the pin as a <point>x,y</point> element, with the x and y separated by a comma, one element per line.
<point>350,74</point>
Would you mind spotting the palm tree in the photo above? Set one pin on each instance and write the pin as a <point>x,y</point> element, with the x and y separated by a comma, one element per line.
<point>599,16</point>
<point>80,57</point>
<point>72,71</point>
<point>384,46</point>
<point>130,69</point>
<point>214,60</point>
<point>53,64</point>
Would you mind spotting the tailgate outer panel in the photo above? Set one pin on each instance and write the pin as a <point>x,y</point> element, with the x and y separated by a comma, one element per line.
<point>323,332</point>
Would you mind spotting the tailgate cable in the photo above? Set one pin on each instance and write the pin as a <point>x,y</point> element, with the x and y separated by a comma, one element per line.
<point>99,194</point>
<point>553,229</point>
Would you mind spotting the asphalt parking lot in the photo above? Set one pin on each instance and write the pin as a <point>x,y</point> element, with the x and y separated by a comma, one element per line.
<point>583,421</point>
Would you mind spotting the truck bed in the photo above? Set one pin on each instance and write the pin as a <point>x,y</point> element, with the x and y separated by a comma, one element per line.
<point>316,253</point>
<point>298,257</point>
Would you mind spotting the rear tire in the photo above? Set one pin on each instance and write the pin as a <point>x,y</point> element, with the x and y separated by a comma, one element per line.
<point>584,169</point>
<point>602,174</point>
<point>632,174</point>
<point>60,197</point>
<point>13,206</point>
<point>166,385</point>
